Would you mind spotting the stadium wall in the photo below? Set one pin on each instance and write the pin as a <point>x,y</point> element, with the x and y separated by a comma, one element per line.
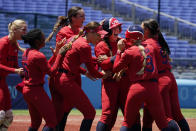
<point>186,91</point>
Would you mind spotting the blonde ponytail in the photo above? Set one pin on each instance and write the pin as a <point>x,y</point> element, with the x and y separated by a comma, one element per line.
<point>142,50</point>
<point>16,24</point>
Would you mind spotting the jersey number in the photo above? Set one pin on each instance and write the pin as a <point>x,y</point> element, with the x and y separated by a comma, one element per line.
<point>164,56</point>
<point>149,62</point>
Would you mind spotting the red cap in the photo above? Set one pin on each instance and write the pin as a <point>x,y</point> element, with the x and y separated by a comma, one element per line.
<point>98,30</point>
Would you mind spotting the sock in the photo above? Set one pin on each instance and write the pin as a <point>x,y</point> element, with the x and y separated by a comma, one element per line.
<point>86,125</point>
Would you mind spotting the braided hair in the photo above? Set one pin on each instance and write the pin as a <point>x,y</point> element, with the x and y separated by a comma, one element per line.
<point>135,34</point>
<point>89,26</point>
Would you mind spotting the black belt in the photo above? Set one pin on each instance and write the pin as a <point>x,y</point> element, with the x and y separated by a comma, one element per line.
<point>153,80</point>
<point>61,70</point>
<point>163,71</point>
<point>34,85</point>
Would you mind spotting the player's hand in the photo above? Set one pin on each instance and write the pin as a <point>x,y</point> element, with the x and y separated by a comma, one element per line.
<point>121,45</point>
<point>117,76</point>
<point>106,74</point>
<point>101,58</point>
<point>53,51</point>
<point>87,74</point>
<point>19,71</point>
<point>59,45</point>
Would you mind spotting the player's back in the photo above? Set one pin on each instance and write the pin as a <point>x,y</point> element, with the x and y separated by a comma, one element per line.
<point>79,53</point>
<point>136,71</point>
<point>35,67</point>
<point>162,58</point>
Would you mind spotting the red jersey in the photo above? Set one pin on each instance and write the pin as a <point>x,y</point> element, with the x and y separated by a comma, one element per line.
<point>162,59</point>
<point>133,59</point>
<point>80,53</point>
<point>36,66</point>
<point>66,32</point>
<point>103,49</point>
<point>8,56</point>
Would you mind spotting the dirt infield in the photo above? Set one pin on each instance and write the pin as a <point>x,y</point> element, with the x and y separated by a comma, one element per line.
<point>22,122</point>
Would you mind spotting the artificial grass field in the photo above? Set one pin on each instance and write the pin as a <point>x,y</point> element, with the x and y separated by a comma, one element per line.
<point>188,113</point>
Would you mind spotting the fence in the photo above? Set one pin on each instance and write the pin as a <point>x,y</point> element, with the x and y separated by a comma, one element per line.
<point>186,91</point>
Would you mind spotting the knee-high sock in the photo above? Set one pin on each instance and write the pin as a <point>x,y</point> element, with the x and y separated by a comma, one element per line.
<point>184,126</point>
<point>86,125</point>
<point>62,123</point>
<point>102,127</point>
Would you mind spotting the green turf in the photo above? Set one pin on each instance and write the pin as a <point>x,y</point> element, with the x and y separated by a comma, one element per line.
<point>188,113</point>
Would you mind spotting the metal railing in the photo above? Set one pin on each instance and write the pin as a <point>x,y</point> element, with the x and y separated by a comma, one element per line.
<point>176,20</point>
<point>34,20</point>
<point>137,13</point>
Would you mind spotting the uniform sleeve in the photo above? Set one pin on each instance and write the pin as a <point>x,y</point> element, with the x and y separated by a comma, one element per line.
<point>57,63</point>
<point>106,64</point>
<point>100,50</point>
<point>7,69</point>
<point>3,55</point>
<point>86,56</point>
<point>52,60</point>
<point>60,35</point>
<point>121,61</point>
<point>82,70</point>
<point>45,66</point>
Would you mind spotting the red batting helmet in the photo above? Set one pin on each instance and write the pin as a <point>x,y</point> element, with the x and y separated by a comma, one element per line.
<point>108,24</point>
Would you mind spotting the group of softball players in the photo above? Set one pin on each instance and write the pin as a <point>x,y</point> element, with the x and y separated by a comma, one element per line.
<point>135,72</point>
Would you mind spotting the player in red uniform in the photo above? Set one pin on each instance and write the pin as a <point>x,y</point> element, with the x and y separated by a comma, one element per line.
<point>76,17</point>
<point>166,81</point>
<point>140,60</point>
<point>113,93</point>
<point>36,66</point>
<point>66,82</point>
<point>74,22</point>
<point>9,64</point>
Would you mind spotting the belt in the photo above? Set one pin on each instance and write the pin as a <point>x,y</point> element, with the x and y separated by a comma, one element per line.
<point>163,71</point>
<point>153,80</point>
<point>61,70</point>
<point>34,85</point>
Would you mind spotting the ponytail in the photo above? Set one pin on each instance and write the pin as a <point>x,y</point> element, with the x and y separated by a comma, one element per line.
<point>153,27</point>
<point>61,21</point>
<point>142,50</point>
<point>16,24</point>
<point>163,43</point>
<point>74,39</point>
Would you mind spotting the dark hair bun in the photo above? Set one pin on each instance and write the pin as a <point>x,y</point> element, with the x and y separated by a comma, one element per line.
<point>32,35</point>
